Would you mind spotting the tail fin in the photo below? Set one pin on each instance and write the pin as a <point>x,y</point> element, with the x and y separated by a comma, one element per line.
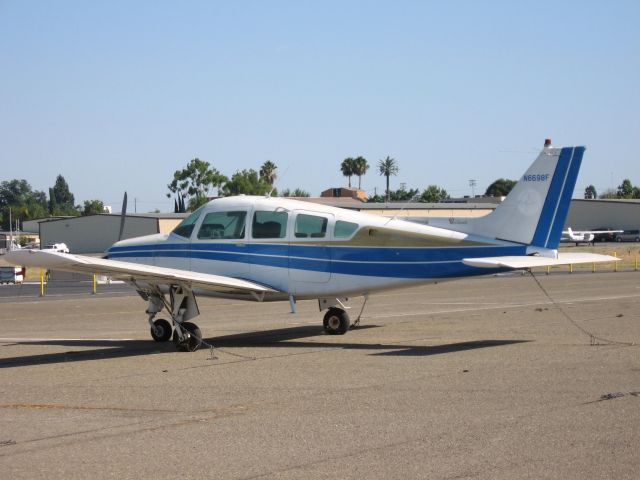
<point>535,210</point>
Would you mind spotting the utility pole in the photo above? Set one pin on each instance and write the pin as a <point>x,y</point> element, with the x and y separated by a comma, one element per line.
<point>472,184</point>
<point>10,231</point>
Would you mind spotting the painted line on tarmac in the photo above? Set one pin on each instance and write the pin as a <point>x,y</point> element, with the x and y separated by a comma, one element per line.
<point>13,340</point>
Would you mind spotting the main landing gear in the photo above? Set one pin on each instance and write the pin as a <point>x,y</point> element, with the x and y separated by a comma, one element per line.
<point>336,321</point>
<point>182,306</point>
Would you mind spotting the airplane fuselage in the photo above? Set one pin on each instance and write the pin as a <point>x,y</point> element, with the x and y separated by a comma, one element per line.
<point>309,250</point>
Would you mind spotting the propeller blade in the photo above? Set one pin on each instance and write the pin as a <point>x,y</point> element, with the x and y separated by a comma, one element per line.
<point>123,215</point>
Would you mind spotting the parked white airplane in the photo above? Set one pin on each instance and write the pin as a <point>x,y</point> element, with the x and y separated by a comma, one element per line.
<point>582,236</point>
<point>262,249</point>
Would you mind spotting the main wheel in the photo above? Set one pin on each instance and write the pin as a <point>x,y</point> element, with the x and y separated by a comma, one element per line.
<point>336,322</point>
<point>193,338</point>
<point>161,330</point>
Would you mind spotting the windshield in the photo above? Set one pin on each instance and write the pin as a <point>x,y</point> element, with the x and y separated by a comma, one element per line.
<point>185,228</point>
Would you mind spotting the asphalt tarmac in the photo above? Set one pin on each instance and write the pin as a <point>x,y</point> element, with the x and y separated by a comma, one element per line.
<point>483,378</point>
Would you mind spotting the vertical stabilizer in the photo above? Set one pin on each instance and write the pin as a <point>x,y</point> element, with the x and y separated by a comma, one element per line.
<point>535,210</point>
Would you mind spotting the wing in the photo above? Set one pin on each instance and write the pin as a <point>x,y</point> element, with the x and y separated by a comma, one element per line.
<point>133,272</point>
<point>529,261</point>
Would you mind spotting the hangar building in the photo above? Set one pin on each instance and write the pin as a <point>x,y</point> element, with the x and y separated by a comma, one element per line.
<point>96,233</point>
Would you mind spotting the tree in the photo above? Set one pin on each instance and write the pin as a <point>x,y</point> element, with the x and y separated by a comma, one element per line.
<point>590,192</point>
<point>500,188</point>
<point>92,207</point>
<point>195,181</point>
<point>298,192</point>
<point>388,167</point>
<point>268,172</point>
<point>247,182</point>
<point>61,198</point>
<point>347,168</point>
<point>24,202</point>
<point>360,167</point>
<point>609,193</point>
<point>403,195</point>
<point>625,190</point>
<point>434,194</point>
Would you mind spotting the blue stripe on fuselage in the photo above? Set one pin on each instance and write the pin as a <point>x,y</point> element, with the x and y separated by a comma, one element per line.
<point>391,262</point>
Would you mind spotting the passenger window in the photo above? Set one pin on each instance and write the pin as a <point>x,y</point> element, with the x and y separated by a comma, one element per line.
<point>344,229</point>
<point>222,225</point>
<point>269,224</point>
<point>310,226</point>
<point>185,228</point>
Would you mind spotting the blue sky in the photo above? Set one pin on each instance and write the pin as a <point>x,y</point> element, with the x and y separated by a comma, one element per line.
<point>118,95</point>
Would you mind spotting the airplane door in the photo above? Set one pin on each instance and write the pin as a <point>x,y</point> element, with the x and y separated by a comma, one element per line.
<point>309,252</point>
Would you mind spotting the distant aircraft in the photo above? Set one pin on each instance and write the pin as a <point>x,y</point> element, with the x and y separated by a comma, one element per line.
<point>582,236</point>
<point>264,249</point>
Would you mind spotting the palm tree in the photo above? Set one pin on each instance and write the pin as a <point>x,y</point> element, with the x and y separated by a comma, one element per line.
<point>347,168</point>
<point>360,168</point>
<point>268,172</point>
<point>388,167</point>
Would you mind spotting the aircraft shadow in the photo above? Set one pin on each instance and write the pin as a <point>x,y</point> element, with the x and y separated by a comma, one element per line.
<point>279,338</point>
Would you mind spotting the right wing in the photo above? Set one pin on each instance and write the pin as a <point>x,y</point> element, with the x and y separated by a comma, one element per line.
<point>133,272</point>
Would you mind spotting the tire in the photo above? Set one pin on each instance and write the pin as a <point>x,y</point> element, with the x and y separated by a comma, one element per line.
<point>193,342</point>
<point>336,322</point>
<point>618,239</point>
<point>162,331</point>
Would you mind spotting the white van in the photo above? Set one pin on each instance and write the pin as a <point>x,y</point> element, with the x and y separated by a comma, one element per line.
<point>57,247</point>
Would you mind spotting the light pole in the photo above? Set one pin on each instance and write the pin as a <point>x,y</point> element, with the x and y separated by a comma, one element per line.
<point>472,184</point>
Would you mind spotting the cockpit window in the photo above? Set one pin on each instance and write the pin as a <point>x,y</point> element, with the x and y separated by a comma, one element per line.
<point>344,229</point>
<point>310,226</point>
<point>269,224</point>
<point>185,228</point>
<point>222,225</point>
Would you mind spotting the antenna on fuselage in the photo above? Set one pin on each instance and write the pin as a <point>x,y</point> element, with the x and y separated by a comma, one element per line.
<point>268,195</point>
<point>404,206</point>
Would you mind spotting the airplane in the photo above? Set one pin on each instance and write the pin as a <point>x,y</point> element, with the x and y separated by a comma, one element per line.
<point>268,249</point>
<point>582,236</point>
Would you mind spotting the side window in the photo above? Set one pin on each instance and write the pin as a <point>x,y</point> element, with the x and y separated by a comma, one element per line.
<point>310,226</point>
<point>344,229</point>
<point>222,225</point>
<point>185,228</point>
<point>269,224</point>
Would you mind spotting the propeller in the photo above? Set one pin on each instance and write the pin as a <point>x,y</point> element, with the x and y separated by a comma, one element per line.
<point>123,215</point>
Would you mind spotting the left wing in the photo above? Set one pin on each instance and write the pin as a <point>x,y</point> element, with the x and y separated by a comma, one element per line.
<point>133,272</point>
<point>530,261</point>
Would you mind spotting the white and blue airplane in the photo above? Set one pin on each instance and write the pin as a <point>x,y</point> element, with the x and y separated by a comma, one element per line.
<point>265,249</point>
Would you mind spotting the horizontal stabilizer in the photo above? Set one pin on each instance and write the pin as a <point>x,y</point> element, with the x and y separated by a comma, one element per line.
<point>132,272</point>
<point>526,261</point>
